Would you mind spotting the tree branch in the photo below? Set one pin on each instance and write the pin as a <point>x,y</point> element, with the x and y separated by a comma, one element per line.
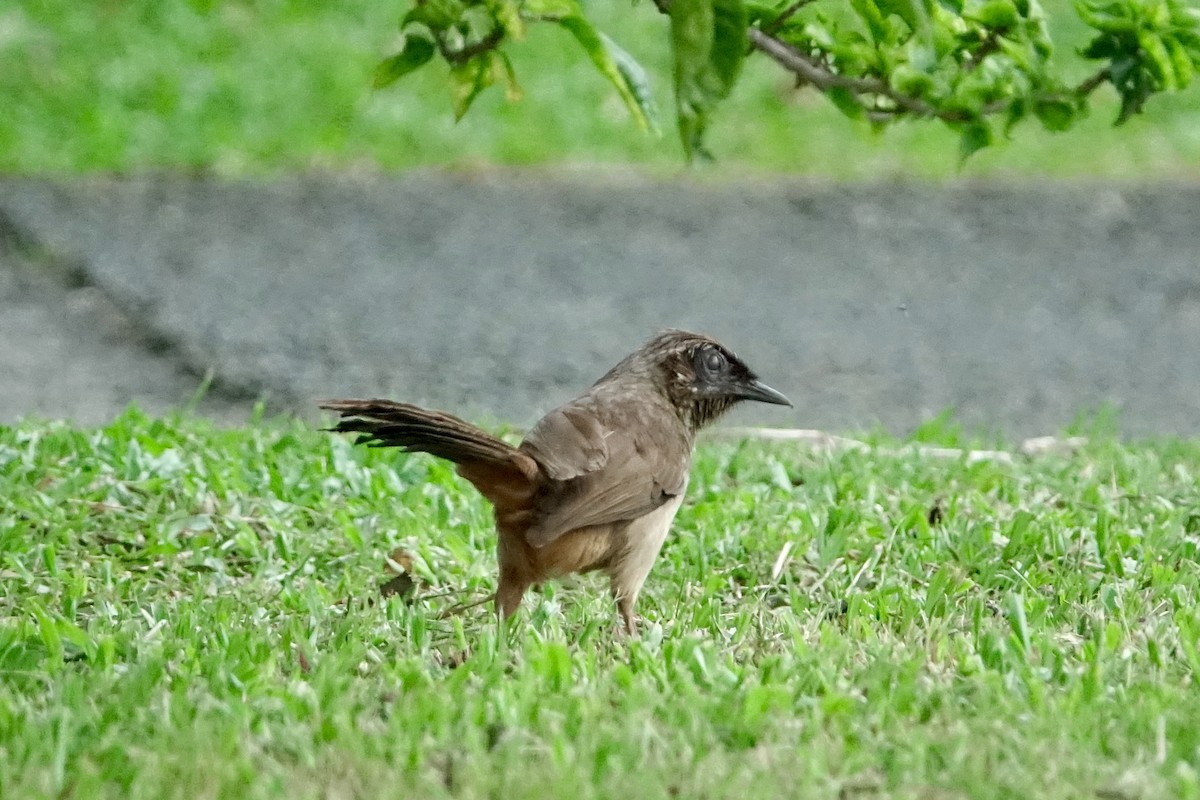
<point>1090,85</point>
<point>823,78</point>
<point>812,71</point>
<point>793,60</point>
<point>988,46</point>
<point>467,52</point>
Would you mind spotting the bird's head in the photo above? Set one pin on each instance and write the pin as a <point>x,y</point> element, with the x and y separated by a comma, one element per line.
<point>700,376</point>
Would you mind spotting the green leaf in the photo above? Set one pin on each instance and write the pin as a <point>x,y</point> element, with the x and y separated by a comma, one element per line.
<point>973,137</point>
<point>692,27</point>
<point>1018,109</point>
<point>1134,91</point>
<point>922,55</point>
<point>512,89</point>
<point>911,81</point>
<point>1055,113</point>
<point>540,9</point>
<point>708,43</point>
<point>508,16</point>
<point>691,34</point>
<point>820,35</point>
<point>1109,18</point>
<point>729,43</point>
<point>944,32</point>
<point>437,14</point>
<point>1124,68</point>
<point>637,81</point>
<point>999,15</point>
<point>620,68</point>
<point>1037,32</point>
<point>1185,67</point>
<point>762,12</point>
<point>1158,59</point>
<point>1018,53</point>
<point>467,81</point>
<point>915,13</point>
<point>846,102</point>
<point>1019,623</point>
<point>1185,16</point>
<point>873,17</point>
<point>76,636</point>
<point>416,51</point>
<point>1103,46</point>
<point>51,637</point>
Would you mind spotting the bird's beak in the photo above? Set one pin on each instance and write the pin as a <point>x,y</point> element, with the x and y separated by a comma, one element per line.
<point>757,390</point>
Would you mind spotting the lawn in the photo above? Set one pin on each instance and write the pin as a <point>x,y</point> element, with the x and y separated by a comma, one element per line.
<point>276,86</point>
<point>187,611</point>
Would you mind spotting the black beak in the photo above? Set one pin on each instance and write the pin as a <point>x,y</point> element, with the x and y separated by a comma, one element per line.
<point>757,390</point>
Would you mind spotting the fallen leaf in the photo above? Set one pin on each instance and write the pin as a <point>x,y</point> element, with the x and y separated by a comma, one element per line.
<point>401,586</point>
<point>399,562</point>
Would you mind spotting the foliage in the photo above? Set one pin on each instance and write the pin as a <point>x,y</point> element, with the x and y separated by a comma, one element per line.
<point>252,88</point>
<point>965,62</point>
<point>194,612</point>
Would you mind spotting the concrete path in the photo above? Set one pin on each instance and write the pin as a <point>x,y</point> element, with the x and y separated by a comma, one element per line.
<point>500,296</point>
<point>67,351</point>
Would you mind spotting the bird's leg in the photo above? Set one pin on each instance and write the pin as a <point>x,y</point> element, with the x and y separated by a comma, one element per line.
<point>625,602</point>
<point>516,574</point>
<point>630,619</point>
<point>509,594</point>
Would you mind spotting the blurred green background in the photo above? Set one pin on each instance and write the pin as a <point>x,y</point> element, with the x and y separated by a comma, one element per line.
<point>274,86</point>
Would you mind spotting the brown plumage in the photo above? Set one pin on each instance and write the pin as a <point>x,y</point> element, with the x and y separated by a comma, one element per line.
<point>596,483</point>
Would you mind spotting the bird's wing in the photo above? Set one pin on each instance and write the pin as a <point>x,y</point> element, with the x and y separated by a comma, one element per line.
<point>568,442</point>
<point>604,466</point>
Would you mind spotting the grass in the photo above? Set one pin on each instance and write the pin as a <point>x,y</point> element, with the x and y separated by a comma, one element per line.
<point>194,612</point>
<point>262,87</point>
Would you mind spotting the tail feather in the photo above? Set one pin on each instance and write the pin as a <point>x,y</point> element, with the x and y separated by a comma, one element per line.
<point>501,472</point>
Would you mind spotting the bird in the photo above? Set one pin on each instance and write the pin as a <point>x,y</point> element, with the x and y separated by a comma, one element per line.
<point>596,483</point>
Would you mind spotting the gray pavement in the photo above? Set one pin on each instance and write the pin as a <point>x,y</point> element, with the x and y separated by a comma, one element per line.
<point>66,351</point>
<point>498,296</point>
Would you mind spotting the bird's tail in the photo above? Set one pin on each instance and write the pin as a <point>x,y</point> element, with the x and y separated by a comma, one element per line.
<point>502,473</point>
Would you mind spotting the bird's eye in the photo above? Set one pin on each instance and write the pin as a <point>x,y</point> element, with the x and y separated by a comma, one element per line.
<point>713,361</point>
